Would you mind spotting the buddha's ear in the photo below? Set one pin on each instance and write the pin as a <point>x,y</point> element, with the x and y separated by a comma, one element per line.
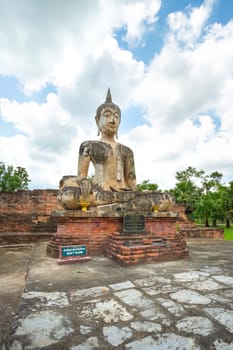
<point>97,122</point>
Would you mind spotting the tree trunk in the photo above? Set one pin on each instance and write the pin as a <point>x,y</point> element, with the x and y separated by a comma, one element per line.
<point>228,224</point>
<point>207,223</point>
<point>214,223</point>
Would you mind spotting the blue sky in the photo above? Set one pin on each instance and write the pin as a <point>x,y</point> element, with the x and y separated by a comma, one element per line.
<point>169,65</point>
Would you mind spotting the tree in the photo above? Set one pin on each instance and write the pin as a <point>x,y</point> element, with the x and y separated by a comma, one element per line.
<point>211,182</point>
<point>226,194</point>
<point>186,191</point>
<point>211,185</point>
<point>145,185</point>
<point>13,179</point>
<point>200,193</point>
<point>209,207</point>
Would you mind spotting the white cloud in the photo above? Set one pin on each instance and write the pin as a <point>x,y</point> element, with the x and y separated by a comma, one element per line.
<point>136,15</point>
<point>187,28</point>
<point>52,42</point>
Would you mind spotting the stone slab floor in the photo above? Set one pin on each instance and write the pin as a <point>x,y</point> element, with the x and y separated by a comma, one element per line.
<point>98,305</point>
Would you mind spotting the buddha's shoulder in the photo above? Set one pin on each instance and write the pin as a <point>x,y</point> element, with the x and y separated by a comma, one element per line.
<point>124,149</point>
<point>93,145</point>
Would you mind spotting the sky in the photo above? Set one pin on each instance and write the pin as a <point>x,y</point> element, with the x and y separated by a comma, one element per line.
<point>168,63</point>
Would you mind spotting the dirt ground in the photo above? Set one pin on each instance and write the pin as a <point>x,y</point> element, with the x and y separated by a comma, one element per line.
<point>14,262</point>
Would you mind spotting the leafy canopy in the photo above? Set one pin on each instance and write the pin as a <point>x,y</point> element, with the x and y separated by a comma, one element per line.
<point>146,185</point>
<point>13,179</point>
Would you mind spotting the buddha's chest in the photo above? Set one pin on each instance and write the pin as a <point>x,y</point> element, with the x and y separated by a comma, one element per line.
<point>103,153</point>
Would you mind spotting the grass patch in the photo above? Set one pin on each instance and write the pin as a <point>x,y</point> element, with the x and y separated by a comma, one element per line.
<point>228,234</point>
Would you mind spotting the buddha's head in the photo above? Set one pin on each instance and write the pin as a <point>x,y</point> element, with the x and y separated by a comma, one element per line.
<point>108,117</point>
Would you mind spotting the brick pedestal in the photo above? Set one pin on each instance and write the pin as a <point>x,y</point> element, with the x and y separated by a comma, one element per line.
<point>102,235</point>
<point>82,228</point>
<point>135,249</point>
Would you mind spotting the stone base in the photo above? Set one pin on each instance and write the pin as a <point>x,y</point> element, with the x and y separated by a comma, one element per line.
<point>100,234</point>
<point>135,249</point>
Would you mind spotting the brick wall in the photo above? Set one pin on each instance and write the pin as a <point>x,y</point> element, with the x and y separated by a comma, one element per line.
<point>28,211</point>
<point>215,233</point>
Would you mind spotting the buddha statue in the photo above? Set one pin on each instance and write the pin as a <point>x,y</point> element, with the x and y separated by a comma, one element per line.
<point>114,181</point>
<point>113,162</point>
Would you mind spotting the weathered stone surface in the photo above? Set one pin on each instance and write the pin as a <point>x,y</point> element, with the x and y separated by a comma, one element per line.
<point>163,342</point>
<point>43,328</point>
<point>151,281</point>
<point>227,280</point>
<point>122,285</point>
<point>196,325</point>
<point>155,290</point>
<point>190,297</point>
<point>85,329</point>
<point>134,298</point>
<point>219,298</point>
<point>146,326</point>
<point>205,285</point>
<point>153,314</point>
<point>107,310</point>
<point>225,317</point>
<point>171,306</point>
<point>90,344</point>
<point>190,276</point>
<point>115,335</point>
<point>47,299</point>
<point>87,293</point>
<point>221,345</point>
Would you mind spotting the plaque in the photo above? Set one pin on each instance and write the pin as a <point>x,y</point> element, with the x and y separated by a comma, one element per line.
<point>71,251</point>
<point>72,254</point>
<point>133,223</point>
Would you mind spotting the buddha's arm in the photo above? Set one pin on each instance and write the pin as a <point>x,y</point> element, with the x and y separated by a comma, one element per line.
<point>130,171</point>
<point>83,161</point>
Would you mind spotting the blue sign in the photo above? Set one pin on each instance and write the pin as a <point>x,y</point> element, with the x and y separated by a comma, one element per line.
<point>71,251</point>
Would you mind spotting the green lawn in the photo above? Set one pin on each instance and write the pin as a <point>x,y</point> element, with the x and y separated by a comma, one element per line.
<point>228,234</point>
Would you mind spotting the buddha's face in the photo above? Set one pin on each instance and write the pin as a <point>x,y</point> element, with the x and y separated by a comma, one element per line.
<point>109,121</point>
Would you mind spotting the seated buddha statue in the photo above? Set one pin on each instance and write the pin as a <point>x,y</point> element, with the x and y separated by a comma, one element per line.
<point>113,162</point>
<point>114,181</point>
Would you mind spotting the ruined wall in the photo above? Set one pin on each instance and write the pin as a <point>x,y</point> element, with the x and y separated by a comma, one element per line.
<point>28,211</point>
<point>203,232</point>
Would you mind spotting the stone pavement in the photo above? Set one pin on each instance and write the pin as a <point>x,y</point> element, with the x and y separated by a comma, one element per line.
<point>185,304</point>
